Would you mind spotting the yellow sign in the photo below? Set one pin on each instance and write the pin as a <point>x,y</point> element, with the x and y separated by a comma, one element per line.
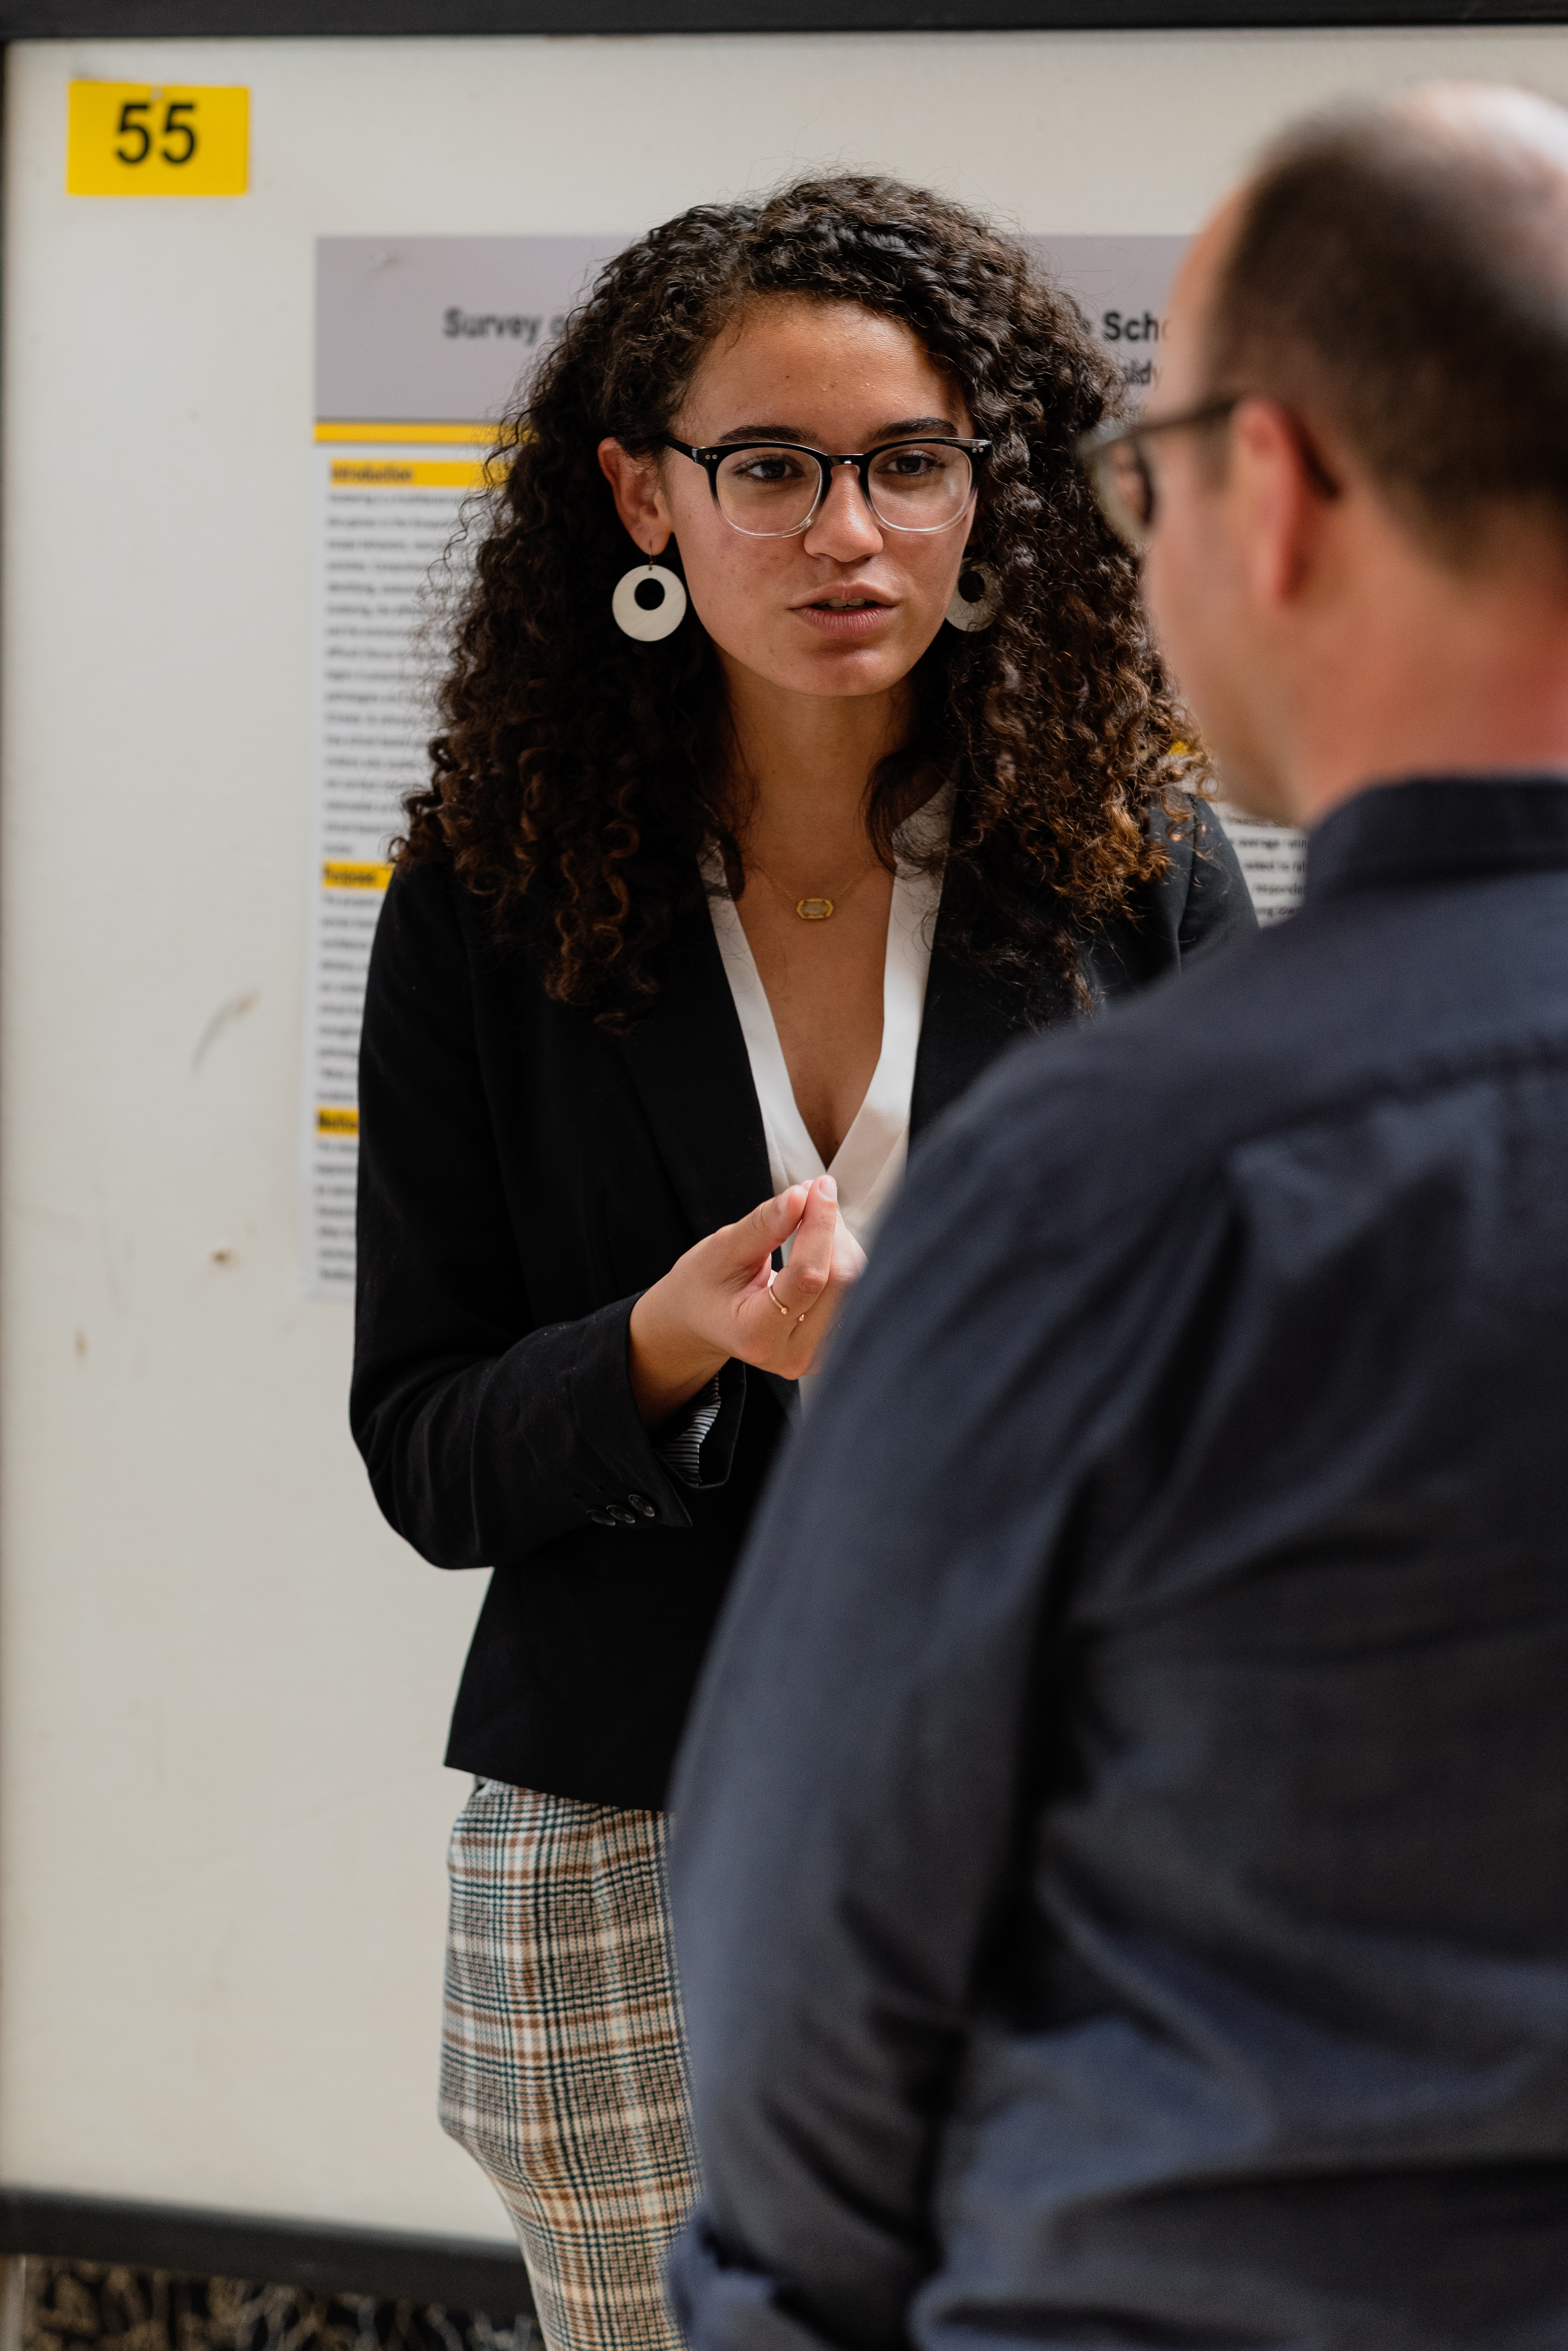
<point>339,874</point>
<point>330,1119</point>
<point>134,139</point>
<point>470,435</point>
<point>415,473</point>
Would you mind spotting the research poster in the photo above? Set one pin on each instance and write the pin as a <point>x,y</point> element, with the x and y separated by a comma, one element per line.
<point>420,342</point>
<point>419,345</point>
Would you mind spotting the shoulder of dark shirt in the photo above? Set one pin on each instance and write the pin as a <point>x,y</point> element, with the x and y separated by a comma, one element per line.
<point>429,911</point>
<point>1202,896</point>
<point>418,927</point>
<point>1197,903</point>
<point>1200,865</point>
<point>428,893</point>
<point>1371,994</point>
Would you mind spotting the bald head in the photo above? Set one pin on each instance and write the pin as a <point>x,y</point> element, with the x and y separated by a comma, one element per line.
<point>1403,272</point>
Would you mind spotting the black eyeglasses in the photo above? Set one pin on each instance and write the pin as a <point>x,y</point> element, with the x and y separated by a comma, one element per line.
<point>771,489</point>
<point>1124,479</point>
<point>1114,459</point>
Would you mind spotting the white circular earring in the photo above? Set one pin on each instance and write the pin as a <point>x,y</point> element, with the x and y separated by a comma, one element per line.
<point>649,603</point>
<point>975,599</point>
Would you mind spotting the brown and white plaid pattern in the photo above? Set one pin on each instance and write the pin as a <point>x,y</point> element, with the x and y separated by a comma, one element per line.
<point>563,2060</point>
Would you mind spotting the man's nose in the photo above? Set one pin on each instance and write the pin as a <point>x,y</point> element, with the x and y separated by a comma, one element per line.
<point>843,526</point>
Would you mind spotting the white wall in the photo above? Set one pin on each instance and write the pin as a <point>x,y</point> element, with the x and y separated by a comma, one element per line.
<point>223,1683</point>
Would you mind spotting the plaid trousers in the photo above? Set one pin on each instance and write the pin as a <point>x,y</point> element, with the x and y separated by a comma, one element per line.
<point>563,2059</point>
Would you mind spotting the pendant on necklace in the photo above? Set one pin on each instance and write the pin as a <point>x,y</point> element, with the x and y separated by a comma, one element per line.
<point>814,909</point>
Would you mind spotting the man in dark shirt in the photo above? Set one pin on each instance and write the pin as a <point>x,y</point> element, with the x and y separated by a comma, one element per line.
<point>1122,1863</point>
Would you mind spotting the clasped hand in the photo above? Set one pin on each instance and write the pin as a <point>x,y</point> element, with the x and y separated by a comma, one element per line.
<point>723,1300</point>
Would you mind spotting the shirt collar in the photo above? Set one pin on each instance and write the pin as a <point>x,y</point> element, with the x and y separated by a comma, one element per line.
<point>1438,829</point>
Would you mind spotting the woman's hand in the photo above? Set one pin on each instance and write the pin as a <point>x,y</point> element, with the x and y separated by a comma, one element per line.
<point>722,1299</point>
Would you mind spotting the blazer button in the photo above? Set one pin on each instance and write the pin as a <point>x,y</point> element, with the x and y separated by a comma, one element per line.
<point>641,1502</point>
<point>602,1517</point>
<point>618,1517</point>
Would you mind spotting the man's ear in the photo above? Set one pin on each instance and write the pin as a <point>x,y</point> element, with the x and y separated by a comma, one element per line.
<point>1278,491</point>
<point>638,496</point>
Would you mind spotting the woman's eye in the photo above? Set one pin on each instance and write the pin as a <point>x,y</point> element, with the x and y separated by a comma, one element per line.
<point>909,464</point>
<point>766,469</point>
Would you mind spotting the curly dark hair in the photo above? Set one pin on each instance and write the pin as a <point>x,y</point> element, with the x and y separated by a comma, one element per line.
<point>580,772</point>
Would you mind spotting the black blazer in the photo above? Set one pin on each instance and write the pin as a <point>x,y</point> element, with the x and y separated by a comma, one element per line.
<point>523,1178</point>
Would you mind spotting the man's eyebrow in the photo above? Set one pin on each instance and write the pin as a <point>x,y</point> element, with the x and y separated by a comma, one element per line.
<point>903,429</point>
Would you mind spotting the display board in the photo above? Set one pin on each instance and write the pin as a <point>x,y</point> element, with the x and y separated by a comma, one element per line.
<point>223,1683</point>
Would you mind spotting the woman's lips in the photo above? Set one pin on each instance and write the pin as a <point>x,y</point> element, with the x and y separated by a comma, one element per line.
<point>840,620</point>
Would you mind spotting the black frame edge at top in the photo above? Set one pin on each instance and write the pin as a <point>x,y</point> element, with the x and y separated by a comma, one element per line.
<point>163,19</point>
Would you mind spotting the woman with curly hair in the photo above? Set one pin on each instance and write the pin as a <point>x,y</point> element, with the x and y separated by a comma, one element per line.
<point>738,864</point>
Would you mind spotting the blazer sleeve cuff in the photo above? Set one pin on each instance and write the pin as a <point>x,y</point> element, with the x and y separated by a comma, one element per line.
<point>626,1476</point>
<point>719,2307</point>
<point>697,1444</point>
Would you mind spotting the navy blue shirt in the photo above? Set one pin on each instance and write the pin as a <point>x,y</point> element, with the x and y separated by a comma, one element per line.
<point>1121,1859</point>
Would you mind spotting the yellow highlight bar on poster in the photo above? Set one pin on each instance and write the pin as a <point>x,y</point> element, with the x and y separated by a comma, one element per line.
<point>342,874</point>
<point>416,474</point>
<point>331,1118</point>
<point>138,138</point>
<point>408,436</point>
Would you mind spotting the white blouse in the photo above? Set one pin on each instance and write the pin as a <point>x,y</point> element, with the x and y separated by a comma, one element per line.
<point>870,1160</point>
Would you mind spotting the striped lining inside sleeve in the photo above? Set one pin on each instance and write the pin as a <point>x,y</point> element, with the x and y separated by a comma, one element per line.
<point>680,1450</point>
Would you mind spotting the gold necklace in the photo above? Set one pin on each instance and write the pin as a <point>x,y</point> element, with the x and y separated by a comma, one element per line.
<point>818,909</point>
